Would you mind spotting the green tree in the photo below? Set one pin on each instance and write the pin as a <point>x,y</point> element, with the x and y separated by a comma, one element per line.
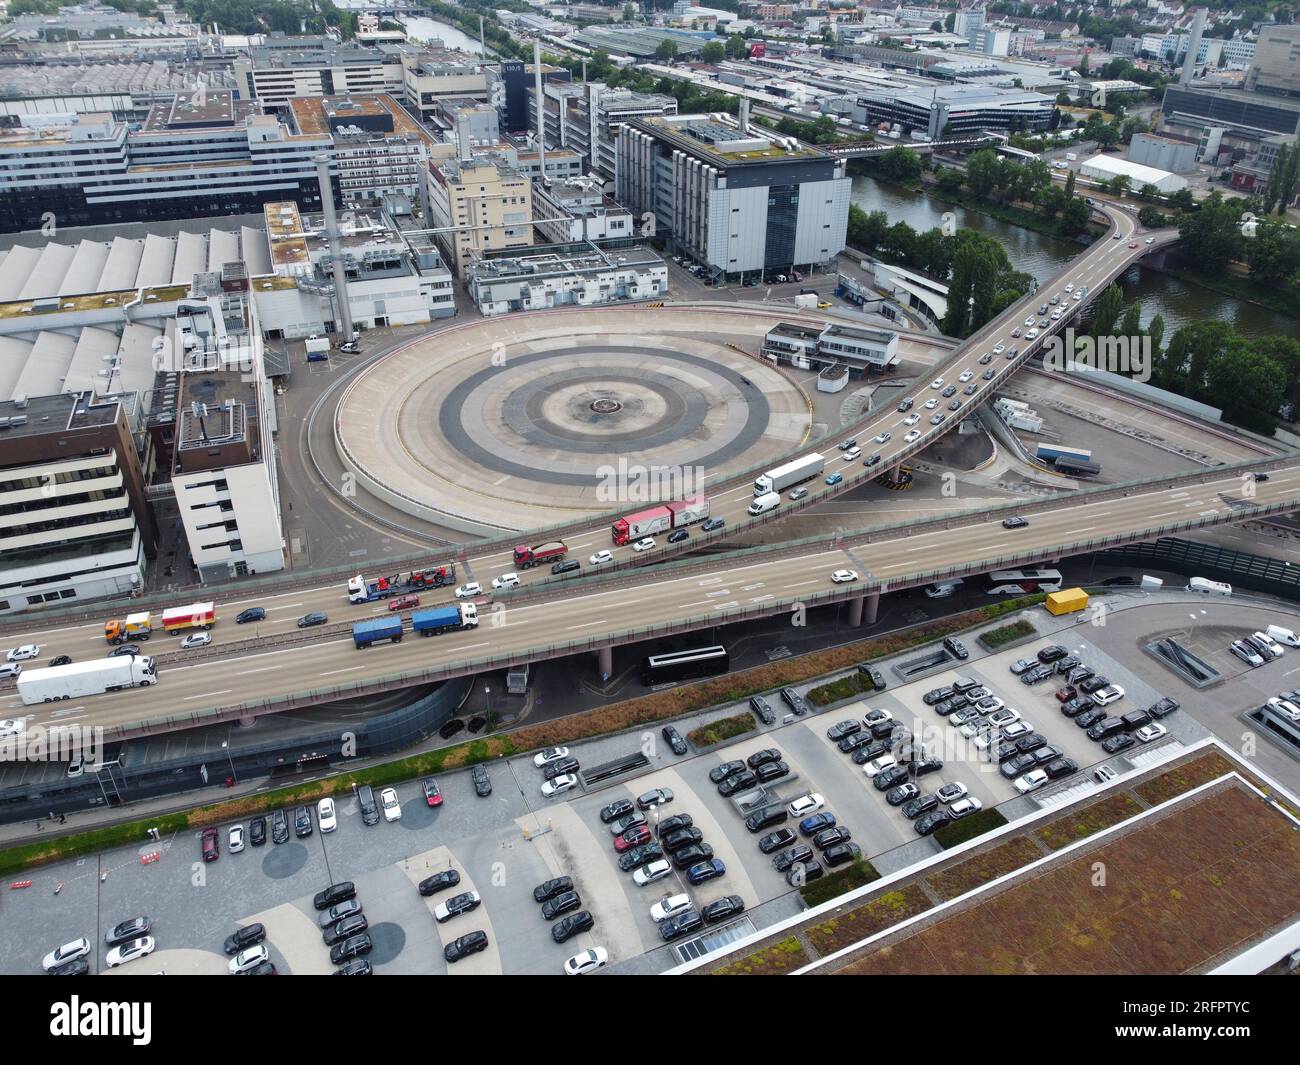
<point>982,171</point>
<point>899,164</point>
<point>1211,237</point>
<point>866,231</point>
<point>629,13</point>
<point>949,178</point>
<point>1156,331</point>
<point>1273,254</point>
<point>714,52</point>
<point>1075,216</point>
<point>1069,184</point>
<point>667,50</point>
<point>1106,311</point>
<point>736,46</point>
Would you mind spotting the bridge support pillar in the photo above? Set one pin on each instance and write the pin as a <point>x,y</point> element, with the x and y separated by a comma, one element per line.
<point>605,663</point>
<point>246,720</point>
<point>895,472</point>
<point>872,607</point>
<point>855,610</point>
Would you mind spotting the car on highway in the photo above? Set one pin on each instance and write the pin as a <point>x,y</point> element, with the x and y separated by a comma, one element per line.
<point>911,419</point>
<point>937,383</point>
<point>794,497</point>
<point>852,454</point>
<point>402,602</point>
<point>316,617</point>
<point>1132,244</point>
<point>1015,522</point>
<point>472,588</point>
<point>506,580</point>
<point>912,437</point>
<point>24,653</point>
<point>850,442</point>
<point>904,406</point>
<point>937,419</point>
<point>253,613</point>
<point>970,389</point>
<point>844,576</point>
<point>562,783</point>
<point>948,392</point>
<point>713,524</point>
<point>965,376</point>
<point>389,804</point>
<point>676,536</point>
<point>600,558</point>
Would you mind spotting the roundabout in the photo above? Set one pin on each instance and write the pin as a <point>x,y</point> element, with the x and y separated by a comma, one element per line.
<point>498,426</point>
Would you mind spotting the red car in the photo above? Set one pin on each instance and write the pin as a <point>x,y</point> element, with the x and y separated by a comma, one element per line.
<point>211,852</point>
<point>633,837</point>
<point>1066,694</point>
<point>403,601</point>
<point>432,793</point>
<point>1133,244</point>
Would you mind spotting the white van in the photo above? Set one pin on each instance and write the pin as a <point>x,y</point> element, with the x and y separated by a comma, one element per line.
<point>767,501</point>
<point>943,589</point>
<point>1283,636</point>
<point>1208,587</point>
<point>506,580</point>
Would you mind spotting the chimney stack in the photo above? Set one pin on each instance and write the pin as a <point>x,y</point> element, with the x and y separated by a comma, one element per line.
<point>344,323</point>
<point>1193,47</point>
<point>744,114</point>
<point>541,108</point>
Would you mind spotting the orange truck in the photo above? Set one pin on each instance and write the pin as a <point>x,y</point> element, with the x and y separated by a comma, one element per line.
<point>132,627</point>
<point>194,616</point>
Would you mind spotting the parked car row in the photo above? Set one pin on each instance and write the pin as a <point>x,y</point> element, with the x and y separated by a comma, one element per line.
<point>125,941</point>
<point>344,928</point>
<point>1257,649</point>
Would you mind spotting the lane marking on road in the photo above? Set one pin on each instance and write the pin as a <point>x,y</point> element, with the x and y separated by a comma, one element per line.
<point>587,624</point>
<point>726,606</point>
<point>207,695</point>
<point>720,591</point>
<point>285,606</point>
<point>349,669</point>
<point>801,584</point>
<point>762,598</point>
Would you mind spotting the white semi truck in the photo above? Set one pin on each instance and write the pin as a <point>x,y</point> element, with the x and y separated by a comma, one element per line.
<point>93,677</point>
<point>792,473</point>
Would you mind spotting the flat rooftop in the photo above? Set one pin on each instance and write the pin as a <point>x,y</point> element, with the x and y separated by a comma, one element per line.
<point>722,144</point>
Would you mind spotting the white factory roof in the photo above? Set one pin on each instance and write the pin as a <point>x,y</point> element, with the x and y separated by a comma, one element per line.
<point>16,269</point>
<point>257,251</point>
<point>49,270</point>
<point>1140,175</point>
<point>136,362</point>
<point>122,266</point>
<point>47,365</point>
<point>223,247</point>
<point>13,357</point>
<point>191,257</point>
<point>84,273</point>
<point>155,262</point>
<point>95,351</point>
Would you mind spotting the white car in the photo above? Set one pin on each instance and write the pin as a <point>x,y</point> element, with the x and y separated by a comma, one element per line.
<point>13,726</point>
<point>1104,773</point>
<point>1151,240</point>
<point>951,792</point>
<point>392,808</point>
<point>563,782</point>
<point>977,726</point>
<point>937,383</point>
<point>879,765</point>
<point>999,348</point>
<point>326,816</point>
<point>844,576</point>
<point>805,805</point>
<point>1274,648</point>
<point>600,558</point>
<point>1004,717</point>
<point>965,376</point>
<point>852,453</point>
<point>930,404</point>
<point>669,906</point>
<point>1147,733</point>
<point>1281,635</point>
<point>1069,287</point>
<point>1246,653</point>
<point>1031,334</point>
<point>911,419</point>
<point>78,948</point>
<point>196,639</point>
<point>586,961</point>
<point>548,755</point>
<point>1286,707</point>
<point>1112,693</point>
<point>912,436</point>
<point>883,438</point>
<point>137,948</point>
<point>1030,320</point>
<point>644,544</point>
<point>23,653</point>
<point>250,958</point>
<point>1079,295</point>
<point>1017,729</point>
<point>235,839</point>
<point>1056,315</point>
<point>506,580</point>
<point>1031,781</point>
<point>469,589</point>
<point>442,912</point>
<point>651,872</point>
<point>876,717</point>
<point>968,805</point>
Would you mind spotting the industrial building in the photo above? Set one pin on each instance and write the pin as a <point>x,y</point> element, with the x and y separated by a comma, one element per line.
<point>953,110</point>
<point>317,67</point>
<point>481,204</point>
<point>588,116</point>
<point>859,349</point>
<point>573,275</point>
<point>1275,66</point>
<point>733,199</point>
<point>578,210</point>
<point>507,90</point>
<point>1109,167</point>
<point>1176,155</point>
<point>1197,111</point>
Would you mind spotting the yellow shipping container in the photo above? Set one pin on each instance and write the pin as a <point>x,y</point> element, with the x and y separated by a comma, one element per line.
<point>1066,601</point>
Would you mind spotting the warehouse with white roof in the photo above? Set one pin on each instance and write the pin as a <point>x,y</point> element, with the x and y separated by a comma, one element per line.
<point>1109,167</point>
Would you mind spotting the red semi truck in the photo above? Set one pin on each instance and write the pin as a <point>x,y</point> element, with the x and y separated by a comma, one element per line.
<point>527,557</point>
<point>659,519</point>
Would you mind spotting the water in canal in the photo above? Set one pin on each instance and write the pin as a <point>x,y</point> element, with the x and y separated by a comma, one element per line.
<point>1042,256</point>
<point>419,28</point>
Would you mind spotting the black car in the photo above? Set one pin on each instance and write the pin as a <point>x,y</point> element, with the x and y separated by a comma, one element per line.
<point>770,754</point>
<point>1062,767</point>
<point>883,730</point>
<point>671,824</point>
<point>1105,728</point>
<point>1121,742</point>
<point>872,750</point>
<point>337,913</point>
<point>618,808</point>
<point>136,928</point>
<point>956,648</point>
<point>849,744</point>
<point>355,967</point>
<point>60,660</point>
<point>877,678</point>
<point>904,406</point>
<point>448,878</point>
<point>770,771</point>
<point>279,827</point>
<point>901,794</point>
<point>75,967</point>
<point>1162,708</point>
<point>243,938</point>
<point>369,808</point>
<point>800,853</point>
<point>562,903</point>
<point>560,767</point>
<point>1014,523</point>
<point>345,929</point>
<point>1066,664</point>
<point>482,782</point>
<point>351,948</point>
<point>803,873</point>
<point>1036,675</point>
<point>1030,742</point>
<point>570,926</point>
<point>316,617</point>
<point>1021,763</point>
<point>334,894</point>
<point>302,822</point>
<point>761,819</point>
<point>794,701</point>
<point>774,841</point>
<point>125,649</point>
<point>914,808</point>
<point>921,766</point>
<point>1051,653</point>
<point>1094,683</point>
<point>890,777</point>
<point>464,946</point>
<point>929,821</point>
<point>693,855</point>
<point>683,924</point>
<point>937,695</point>
<point>568,565</point>
<point>674,739</point>
<point>253,613</point>
<point>1004,750</point>
<point>713,524</point>
<point>721,909</point>
<point>1078,674</point>
<point>638,856</point>
<point>764,711</point>
<point>1047,754</point>
<point>839,730</point>
<point>719,773</point>
<point>1076,706</point>
<point>841,854</point>
<point>632,820</point>
<point>678,535</point>
<point>737,782</point>
<point>680,838</point>
<point>1090,717</point>
<point>828,837</point>
<point>257,831</point>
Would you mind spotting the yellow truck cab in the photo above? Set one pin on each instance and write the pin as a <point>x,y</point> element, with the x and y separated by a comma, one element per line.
<point>132,627</point>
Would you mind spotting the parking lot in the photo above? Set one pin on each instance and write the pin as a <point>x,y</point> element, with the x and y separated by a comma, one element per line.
<point>505,845</point>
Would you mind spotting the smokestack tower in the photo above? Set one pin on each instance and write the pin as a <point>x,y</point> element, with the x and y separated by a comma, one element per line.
<point>1193,47</point>
<point>541,108</point>
<point>344,323</point>
<point>744,114</point>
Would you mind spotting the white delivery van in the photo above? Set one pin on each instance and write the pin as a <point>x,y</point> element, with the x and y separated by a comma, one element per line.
<point>943,589</point>
<point>1284,636</point>
<point>767,501</point>
<point>1208,587</point>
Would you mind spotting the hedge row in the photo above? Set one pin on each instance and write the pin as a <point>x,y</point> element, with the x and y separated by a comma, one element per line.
<point>995,638</point>
<point>853,684</point>
<point>968,827</point>
<point>723,729</point>
<point>833,885</point>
